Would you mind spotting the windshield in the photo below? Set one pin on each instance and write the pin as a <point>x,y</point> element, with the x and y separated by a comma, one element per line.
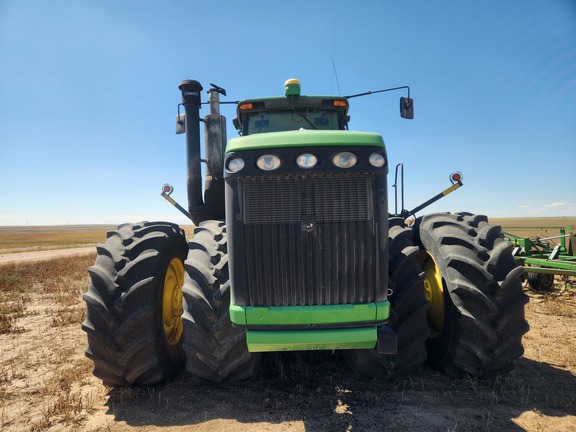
<point>277,121</point>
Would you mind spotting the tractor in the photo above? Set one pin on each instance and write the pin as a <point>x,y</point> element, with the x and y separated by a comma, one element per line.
<point>294,249</point>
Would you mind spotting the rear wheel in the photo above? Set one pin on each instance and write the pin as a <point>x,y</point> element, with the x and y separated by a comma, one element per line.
<point>134,305</point>
<point>215,350</point>
<point>476,313</point>
<point>408,313</point>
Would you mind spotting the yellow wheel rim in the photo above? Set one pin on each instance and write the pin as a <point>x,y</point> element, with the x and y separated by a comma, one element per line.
<point>172,302</point>
<point>434,293</point>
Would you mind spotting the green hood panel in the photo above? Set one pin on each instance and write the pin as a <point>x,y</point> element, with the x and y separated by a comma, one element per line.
<point>305,138</point>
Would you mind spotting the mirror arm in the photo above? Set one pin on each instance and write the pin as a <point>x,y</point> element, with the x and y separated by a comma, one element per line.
<point>370,92</point>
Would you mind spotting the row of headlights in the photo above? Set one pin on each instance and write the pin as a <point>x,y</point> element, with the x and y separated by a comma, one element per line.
<point>271,162</point>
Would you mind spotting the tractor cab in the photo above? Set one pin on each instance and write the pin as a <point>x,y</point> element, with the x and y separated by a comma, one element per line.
<point>292,112</point>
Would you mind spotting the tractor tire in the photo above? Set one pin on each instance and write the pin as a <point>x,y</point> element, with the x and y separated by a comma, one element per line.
<point>540,281</point>
<point>475,291</point>
<point>134,303</point>
<point>216,351</point>
<point>408,306</point>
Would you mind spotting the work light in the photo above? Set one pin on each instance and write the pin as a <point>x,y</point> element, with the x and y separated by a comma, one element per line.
<point>235,165</point>
<point>377,159</point>
<point>344,160</point>
<point>268,162</point>
<point>306,160</point>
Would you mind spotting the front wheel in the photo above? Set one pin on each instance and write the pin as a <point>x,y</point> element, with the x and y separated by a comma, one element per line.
<point>474,287</point>
<point>134,303</point>
<point>407,317</point>
<point>216,351</point>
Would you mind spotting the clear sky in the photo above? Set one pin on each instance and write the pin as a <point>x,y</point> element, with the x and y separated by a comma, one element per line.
<point>89,94</point>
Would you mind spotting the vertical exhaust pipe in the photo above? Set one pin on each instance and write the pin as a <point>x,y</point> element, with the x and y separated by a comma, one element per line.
<point>191,101</point>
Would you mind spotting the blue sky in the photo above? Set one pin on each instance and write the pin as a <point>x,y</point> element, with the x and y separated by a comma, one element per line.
<point>89,93</point>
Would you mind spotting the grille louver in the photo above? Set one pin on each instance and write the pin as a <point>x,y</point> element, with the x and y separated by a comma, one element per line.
<point>336,262</point>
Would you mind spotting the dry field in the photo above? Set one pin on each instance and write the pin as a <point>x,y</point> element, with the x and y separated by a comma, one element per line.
<point>532,227</point>
<point>39,238</point>
<point>46,382</point>
<point>27,239</point>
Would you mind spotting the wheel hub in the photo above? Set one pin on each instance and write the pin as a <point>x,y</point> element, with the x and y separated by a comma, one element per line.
<point>172,302</point>
<point>434,291</point>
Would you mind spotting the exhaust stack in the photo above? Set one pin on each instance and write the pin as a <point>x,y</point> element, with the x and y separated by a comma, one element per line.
<point>208,203</point>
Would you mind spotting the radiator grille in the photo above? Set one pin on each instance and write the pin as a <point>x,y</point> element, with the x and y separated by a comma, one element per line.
<point>330,198</point>
<point>337,262</point>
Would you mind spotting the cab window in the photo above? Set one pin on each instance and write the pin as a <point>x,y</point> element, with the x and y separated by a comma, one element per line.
<point>277,121</point>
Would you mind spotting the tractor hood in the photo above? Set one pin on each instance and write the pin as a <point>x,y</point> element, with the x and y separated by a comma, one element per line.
<point>305,138</point>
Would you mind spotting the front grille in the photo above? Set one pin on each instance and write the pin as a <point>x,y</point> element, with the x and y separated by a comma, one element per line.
<point>306,240</point>
<point>285,199</point>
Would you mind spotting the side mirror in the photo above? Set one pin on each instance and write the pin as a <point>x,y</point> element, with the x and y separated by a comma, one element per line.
<point>180,124</point>
<point>407,108</point>
<point>237,125</point>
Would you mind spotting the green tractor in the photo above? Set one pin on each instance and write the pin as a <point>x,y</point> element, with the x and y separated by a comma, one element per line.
<point>294,249</point>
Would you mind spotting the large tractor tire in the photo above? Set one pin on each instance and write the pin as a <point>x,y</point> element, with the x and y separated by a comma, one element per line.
<point>216,351</point>
<point>476,313</point>
<point>408,313</point>
<point>134,303</point>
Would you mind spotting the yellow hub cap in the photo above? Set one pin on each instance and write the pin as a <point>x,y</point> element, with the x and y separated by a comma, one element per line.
<point>172,302</point>
<point>434,293</point>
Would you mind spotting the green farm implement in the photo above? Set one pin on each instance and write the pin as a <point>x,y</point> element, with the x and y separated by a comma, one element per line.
<point>545,257</point>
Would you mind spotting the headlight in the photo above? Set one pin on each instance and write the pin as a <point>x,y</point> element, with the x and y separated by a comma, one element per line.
<point>234,165</point>
<point>344,160</point>
<point>377,159</point>
<point>306,161</point>
<point>268,162</point>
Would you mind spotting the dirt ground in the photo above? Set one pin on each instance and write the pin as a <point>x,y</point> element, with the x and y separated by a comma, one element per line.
<point>46,382</point>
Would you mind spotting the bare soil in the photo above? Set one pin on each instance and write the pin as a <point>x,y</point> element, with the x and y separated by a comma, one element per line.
<point>46,382</point>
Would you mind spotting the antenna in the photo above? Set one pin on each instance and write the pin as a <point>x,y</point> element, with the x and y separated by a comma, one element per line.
<point>335,74</point>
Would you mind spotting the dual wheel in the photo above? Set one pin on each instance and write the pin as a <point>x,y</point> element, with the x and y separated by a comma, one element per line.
<point>155,302</point>
<point>472,290</point>
<point>473,285</point>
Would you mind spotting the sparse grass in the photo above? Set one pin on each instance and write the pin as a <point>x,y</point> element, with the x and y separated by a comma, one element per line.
<point>119,396</point>
<point>560,306</point>
<point>65,400</point>
<point>51,290</point>
<point>510,386</point>
<point>14,280</point>
<point>63,280</point>
<point>559,301</point>
<point>10,311</point>
<point>68,316</point>
<point>54,276</point>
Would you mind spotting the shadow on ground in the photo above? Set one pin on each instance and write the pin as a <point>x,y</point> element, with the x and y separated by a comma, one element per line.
<point>317,390</point>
